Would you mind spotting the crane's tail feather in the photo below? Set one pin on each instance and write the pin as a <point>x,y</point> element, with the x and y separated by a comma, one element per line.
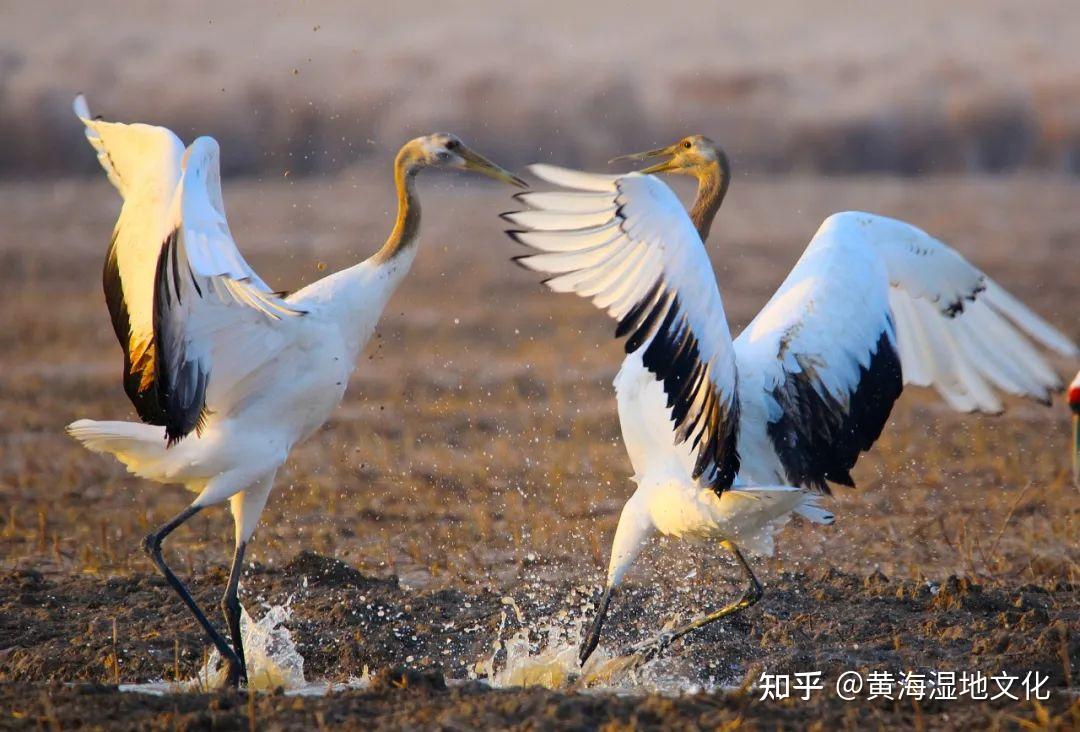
<point>140,447</point>
<point>755,514</point>
<point>812,510</point>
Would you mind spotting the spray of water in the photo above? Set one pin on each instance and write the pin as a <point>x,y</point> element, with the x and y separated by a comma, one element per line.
<point>543,653</point>
<point>273,662</point>
<point>272,658</point>
<point>552,661</point>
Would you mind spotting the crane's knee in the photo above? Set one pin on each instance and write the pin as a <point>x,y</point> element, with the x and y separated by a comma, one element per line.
<point>151,544</point>
<point>230,605</point>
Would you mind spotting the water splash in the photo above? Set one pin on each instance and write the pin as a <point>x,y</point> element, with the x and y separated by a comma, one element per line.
<point>552,662</point>
<point>272,657</point>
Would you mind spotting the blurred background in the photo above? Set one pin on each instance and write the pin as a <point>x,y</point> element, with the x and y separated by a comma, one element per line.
<point>828,86</point>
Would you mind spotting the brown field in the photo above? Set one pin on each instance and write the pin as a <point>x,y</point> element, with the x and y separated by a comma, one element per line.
<point>477,456</point>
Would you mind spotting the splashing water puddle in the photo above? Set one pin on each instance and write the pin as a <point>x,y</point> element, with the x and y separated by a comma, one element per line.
<point>553,662</point>
<point>546,654</point>
<point>272,658</point>
<point>554,665</point>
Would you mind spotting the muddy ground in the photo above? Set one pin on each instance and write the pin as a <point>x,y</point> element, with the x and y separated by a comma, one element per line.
<point>476,460</point>
<point>347,624</point>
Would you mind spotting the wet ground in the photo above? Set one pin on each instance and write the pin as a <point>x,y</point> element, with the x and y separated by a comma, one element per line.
<point>418,651</point>
<point>453,517</point>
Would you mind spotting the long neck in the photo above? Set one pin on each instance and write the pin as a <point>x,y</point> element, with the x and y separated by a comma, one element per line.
<point>356,296</point>
<point>713,181</point>
<point>407,225</point>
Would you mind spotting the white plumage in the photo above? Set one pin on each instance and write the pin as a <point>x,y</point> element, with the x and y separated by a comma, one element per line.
<point>638,258</point>
<point>270,368</point>
<point>872,303</point>
<point>861,279</point>
<point>173,261</point>
<point>210,349</point>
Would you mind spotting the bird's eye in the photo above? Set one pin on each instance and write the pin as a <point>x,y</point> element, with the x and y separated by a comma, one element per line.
<point>452,145</point>
<point>686,144</point>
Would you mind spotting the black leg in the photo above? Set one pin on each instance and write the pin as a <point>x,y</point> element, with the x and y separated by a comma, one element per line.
<point>593,638</point>
<point>230,605</point>
<point>751,595</point>
<point>152,545</point>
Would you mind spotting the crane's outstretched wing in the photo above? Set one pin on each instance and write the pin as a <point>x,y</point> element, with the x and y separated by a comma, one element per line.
<point>873,304</point>
<point>627,244</point>
<point>144,163</point>
<point>214,319</point>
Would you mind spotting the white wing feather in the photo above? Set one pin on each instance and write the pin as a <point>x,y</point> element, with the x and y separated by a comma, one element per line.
<point>211,250</point>
<point>215,322</point>
<point>865,287</point>
<point>142,161</point>
<point>627,244</point>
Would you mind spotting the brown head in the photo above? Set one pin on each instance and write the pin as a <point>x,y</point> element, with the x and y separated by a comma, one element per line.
<point>694,155</point>
<point>439,150</point>
<point>702,158</point>
<point>442,149</point>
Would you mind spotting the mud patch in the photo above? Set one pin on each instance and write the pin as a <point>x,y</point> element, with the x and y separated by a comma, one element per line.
<point>420,648</point>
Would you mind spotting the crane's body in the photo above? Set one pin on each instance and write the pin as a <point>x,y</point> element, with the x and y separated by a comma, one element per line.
<point>226,374</point>
<point>730,437</point>
<point>284,398</point>
<point>669,500</point>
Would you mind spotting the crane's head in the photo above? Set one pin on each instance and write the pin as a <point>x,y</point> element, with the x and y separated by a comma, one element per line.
<point>692,155</point>
<point>442,149</point>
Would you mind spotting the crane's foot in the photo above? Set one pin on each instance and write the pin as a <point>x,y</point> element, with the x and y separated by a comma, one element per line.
<point>650,649</point>
<point>235,673</point>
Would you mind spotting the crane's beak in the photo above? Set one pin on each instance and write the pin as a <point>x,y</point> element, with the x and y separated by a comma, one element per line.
<point>476,162</point>
<point>667,165</point>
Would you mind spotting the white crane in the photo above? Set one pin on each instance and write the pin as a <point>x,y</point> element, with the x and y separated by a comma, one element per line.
<point>728,438</point>
<point>210,349</point>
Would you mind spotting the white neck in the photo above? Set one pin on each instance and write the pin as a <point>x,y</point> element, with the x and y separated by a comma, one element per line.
<point>355,297</point>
